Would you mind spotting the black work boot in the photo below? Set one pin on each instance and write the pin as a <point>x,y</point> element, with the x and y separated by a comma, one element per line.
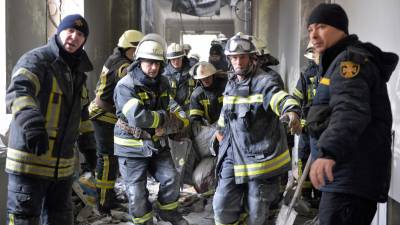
<point>172,216</point>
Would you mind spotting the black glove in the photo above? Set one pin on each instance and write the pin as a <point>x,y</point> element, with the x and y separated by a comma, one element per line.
<point>37,140</point>
<point>87,146</point>
<point>90,160</point>
<point>33,126</point>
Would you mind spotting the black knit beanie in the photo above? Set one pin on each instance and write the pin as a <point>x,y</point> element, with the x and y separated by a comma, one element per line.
<point>74,21</point>
<point>216,49</point>
<point>330,14</point>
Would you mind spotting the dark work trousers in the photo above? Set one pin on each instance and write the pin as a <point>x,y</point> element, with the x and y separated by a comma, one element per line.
<point>345,209</point>
<point>107,165</point>
<point>134,172</point>
<point>32,198</point>
<point>232,201</point>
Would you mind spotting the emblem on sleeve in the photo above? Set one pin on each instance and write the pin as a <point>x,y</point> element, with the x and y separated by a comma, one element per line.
<point>349,69</point>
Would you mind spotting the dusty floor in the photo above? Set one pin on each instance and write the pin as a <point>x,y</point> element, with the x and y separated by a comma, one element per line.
<point>195,208</point>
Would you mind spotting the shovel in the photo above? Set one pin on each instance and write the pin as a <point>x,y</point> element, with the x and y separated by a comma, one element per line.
<point>287,214</point>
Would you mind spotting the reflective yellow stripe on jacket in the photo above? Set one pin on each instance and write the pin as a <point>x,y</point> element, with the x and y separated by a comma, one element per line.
<point>53,114</point>
<point>86,126</point>
<point>257,98</point>
<point>262,167</point>
<point>103,81</point>
<point>97,113</point>
<point>44,165</point>
<point>196,112</point>
<point>298,93</point>
<point>22,102</point>
<point>276,101</point>
<point>134,102</point>
<point>31,77</point>
<point>205,103</point>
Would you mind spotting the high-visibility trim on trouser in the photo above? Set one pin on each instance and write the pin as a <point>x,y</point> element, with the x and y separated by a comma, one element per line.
<point>11,220</point>
<point>169,206</point>
<point>104,184</point>
<point>263,167</point>
<point>143,219</point>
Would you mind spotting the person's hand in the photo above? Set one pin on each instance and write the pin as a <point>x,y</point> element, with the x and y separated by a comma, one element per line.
<point>159,132</point>
<point>293,122</point>
<point>37,140</point>
<point>321,169</point>
<point>219,136</point>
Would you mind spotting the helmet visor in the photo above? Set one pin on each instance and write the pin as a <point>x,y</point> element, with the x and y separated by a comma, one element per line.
<point>240,45</point>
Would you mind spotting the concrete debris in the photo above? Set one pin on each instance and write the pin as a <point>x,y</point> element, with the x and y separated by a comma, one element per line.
<point>196,208</point>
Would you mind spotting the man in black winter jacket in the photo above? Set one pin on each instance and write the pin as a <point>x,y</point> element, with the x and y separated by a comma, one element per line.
<point>49,102</point>
<point>350,120</point>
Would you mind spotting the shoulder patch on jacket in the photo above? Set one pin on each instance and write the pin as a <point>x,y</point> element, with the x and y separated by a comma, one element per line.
<point>348,69</point>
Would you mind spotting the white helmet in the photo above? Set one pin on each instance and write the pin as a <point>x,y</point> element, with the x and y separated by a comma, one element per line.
<point>309,51</point>
<point>239,44</point>
<point>260,45</point>
<point>186,47</point>
<point>202,70</point>
<point>152,46</point>
<point>194,55</point>
<point>174,50</point>
<point>222,37</point>
<point>130,39</point>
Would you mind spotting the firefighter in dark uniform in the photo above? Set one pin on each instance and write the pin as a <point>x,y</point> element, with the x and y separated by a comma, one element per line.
<point>253,151</point>
<point>102,114</point>
<point>206,100</point>
<point>350,120</point>
<point>304,93</point>
<point>177,72</point>
<point>49,102</point>
<point>146,113</point>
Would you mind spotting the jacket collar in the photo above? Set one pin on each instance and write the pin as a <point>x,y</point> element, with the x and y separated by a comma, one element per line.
<point>330,54</point>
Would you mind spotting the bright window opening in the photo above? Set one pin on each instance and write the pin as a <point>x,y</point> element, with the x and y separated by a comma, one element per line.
<point>200,43</point>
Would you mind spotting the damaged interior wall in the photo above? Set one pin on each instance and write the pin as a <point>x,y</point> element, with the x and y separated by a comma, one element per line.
<point>21,36</point>
<point>107,21</point>
<point>282,24</point>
